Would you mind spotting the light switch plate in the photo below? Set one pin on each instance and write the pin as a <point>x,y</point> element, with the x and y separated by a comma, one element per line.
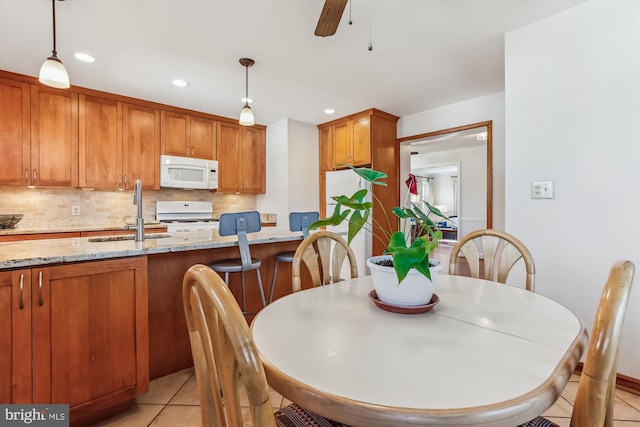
<point>542,189</point>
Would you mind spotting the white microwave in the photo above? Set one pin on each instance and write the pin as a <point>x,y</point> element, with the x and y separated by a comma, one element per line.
<point>188,173</point>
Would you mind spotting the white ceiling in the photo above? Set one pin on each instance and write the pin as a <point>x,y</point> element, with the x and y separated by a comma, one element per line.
<point>426,53</point>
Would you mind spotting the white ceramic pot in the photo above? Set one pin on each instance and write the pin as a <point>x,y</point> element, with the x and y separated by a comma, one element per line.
<point>413,291</point>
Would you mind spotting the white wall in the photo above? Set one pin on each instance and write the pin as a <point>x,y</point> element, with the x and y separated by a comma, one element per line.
<point>572,116</point>
<point>292,170</point>
<point>304,167</point>
<point>489,107</point>
<point>275,199</point>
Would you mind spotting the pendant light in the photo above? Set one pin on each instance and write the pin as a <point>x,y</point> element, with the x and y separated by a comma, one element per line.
<point>246,115</point>
<point>52,72</point>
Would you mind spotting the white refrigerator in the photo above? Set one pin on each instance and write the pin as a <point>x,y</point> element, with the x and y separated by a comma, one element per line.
<point>348,182</point>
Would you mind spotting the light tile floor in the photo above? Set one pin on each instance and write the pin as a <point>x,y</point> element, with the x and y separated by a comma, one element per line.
<point>172,401</point>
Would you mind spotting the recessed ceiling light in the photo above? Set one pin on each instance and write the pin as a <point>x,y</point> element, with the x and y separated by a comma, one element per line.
<point>84,57</point>
<point>247,100</point>
<point>329,111</point>
<point>180,83</point>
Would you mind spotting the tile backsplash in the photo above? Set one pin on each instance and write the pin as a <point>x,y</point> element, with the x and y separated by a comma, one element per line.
<point>51,207</point>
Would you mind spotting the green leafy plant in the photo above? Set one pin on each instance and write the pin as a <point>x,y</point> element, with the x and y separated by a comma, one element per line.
<point>356,210</point>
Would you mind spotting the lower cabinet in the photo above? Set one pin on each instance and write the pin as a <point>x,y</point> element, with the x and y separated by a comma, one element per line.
<point>75,334</point>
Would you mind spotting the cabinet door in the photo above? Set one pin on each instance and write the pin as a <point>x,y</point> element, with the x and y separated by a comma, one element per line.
<point>361,141</point>
<point>326,149</point>
<point>100,143</point>
<point>253,159</point>
<point>203,138</point>
<point>174,134</point>
<point>90,327</point>
<point>342,143</point>
<point>54,137</point>
<point>228,157</point>
<point>141,146</point>
<point>15,336</point>
<point>15,132</point>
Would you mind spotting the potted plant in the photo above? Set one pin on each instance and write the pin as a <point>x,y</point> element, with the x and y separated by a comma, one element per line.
<point>406,261</point>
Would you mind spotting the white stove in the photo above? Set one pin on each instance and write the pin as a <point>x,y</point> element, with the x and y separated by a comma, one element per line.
<point>186,216</point>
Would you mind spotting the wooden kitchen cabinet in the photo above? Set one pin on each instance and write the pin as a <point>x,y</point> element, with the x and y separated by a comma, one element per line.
<point>242,158</point>
<point>118,144</point>
<point>351,142</point>
<point>87,324</point>
<point>100,142</point>
<point>140,146</point>
<point>326,149</point>
<point>190,136</point>
<point>15,336</point>
<point>15,132</point>
<point>38,135</point>
<point>54,137</point>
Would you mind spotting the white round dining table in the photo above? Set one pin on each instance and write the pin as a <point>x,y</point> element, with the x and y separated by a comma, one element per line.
<point>488,354</point>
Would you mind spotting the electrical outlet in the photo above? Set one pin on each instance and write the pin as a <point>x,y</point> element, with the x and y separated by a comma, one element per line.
<point>542,189</point>
<point>75,210</point>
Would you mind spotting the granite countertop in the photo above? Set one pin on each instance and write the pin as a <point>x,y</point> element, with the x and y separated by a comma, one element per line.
<point>75,249</point>
<point>73,228</point>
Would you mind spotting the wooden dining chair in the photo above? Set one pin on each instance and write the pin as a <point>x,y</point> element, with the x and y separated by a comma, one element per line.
<point>226,360</point>
<point>323,253</point>
<point>298,221</point>
<point>496,252</point>
<point>593,406</point>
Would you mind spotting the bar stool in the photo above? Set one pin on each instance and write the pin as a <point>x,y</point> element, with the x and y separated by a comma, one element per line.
<point>240,223</point>
<point>298,221</point>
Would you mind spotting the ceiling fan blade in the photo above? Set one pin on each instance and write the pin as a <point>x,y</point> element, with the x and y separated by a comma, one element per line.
<point>330,17</point>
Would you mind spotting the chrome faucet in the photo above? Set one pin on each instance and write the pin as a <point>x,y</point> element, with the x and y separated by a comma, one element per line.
<point>137,200</point>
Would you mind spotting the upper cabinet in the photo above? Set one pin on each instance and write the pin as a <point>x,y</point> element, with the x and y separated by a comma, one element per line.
<point>54,137</point>
<point>242,158</point>
<point>38,135</point>
<point>141,146</point>
<point>15,132</point>
<point>85,138</point>
<point>119,143</point>
<point>346,141</point>
<point>188,136</point>
<point>326,148</point>
<point>100,143</point>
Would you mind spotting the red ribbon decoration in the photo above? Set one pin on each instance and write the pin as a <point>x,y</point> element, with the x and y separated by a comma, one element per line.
<point>412,184</point>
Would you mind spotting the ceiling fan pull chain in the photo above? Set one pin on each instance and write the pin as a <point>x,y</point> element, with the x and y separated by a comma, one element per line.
<point>350,21</point>
<point>370,47</point>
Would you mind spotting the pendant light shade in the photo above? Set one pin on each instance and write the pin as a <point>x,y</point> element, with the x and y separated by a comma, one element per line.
<point>246,115</point>
<point>52,72</point>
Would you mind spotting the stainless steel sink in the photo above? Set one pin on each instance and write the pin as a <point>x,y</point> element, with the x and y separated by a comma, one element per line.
<point>127,237</point>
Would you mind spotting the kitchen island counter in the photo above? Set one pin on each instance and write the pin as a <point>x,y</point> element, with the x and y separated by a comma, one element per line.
<point>77,249</point>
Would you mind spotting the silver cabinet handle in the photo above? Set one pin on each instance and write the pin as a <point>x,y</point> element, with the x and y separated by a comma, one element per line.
<point>35,177</point>
<point>26,175</point>
<point>126,181</point>
<point>40,299</point>
<point>21,289</point>
<point>120,182</point>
